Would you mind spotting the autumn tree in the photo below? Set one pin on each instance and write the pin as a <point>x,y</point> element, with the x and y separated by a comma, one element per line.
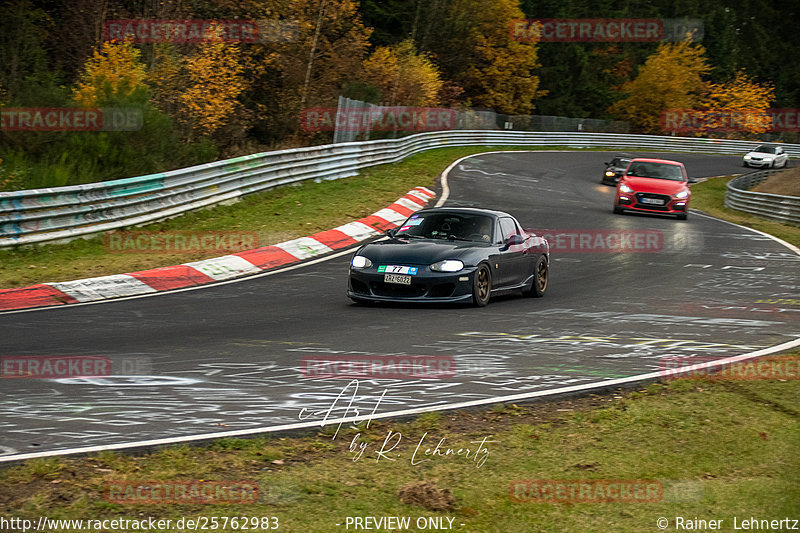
<point>472,45</point>
<point>215,80</point>
<point>404,76</point>
<point>672,78</point>
<point>322,59</point>
<point>745,97</point>
<point>113,71</point>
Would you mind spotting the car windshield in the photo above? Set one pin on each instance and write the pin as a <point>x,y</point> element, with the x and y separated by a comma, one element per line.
<point>620,162</point>
<point>454,226</point>
<point>664,171</point>
<point>765,149</point>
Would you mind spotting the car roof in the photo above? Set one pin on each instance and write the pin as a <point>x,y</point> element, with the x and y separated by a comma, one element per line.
<point>664,161</point>
<point>465,210</point>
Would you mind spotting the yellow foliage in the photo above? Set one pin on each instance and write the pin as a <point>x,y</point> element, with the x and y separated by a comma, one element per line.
<point>116,66</point>
<point>215,76</point>
<point>405,76</point>
<point>499,75</point>
<point>747,96</point>
<point>671,78</point>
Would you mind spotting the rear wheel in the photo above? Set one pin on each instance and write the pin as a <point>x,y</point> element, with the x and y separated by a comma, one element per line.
<point>541,279</point>
<point>482,286</point>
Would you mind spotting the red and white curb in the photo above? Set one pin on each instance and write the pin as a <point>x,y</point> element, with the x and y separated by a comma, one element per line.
<point>217,268</point>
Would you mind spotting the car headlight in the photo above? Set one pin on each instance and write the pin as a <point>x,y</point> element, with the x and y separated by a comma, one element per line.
<point>448,265</point>
<point>682,194</point>
<point>610,173</point>
<point>359,261</point>
<point>625,188</point>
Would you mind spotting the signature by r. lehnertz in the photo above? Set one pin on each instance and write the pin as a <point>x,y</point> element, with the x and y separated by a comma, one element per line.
<point>391,449</point>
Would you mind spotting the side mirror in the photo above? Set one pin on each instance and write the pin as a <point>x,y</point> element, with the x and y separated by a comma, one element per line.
<point>693,180</point>
<point>514,240</point>
<point>391,233</point>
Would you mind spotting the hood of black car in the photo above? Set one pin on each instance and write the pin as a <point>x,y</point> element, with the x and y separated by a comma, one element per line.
<point>417,252</point>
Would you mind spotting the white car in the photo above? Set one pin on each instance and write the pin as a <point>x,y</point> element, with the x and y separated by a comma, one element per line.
<point>766,156</point>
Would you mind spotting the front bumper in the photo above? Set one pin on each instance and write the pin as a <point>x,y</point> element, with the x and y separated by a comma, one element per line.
<point>760,163</point>
<point>368,284</point>
<point>638,202</point>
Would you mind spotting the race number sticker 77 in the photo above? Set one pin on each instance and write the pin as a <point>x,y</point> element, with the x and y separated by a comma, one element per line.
<point>395,269</point>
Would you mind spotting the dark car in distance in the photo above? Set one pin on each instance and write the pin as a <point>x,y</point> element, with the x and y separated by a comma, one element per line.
<point>451,255</point>
<point>615,168</point>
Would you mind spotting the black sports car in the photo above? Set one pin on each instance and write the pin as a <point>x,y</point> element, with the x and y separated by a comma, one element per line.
<point>450,254</point>
<point>615,169</point>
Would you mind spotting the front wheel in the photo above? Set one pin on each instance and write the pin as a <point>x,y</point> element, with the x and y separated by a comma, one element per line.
<point>541,278</point>
<point>618,210</point>
<point>482,286</point>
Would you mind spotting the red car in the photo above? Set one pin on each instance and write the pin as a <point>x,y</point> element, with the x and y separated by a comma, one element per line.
<point>657,186</point>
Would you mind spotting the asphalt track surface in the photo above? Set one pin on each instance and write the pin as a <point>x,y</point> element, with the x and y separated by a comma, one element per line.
<point>229,357</point>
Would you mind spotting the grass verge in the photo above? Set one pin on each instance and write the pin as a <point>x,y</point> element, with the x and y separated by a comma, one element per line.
<point>709,197</point>
<point>718,449</point>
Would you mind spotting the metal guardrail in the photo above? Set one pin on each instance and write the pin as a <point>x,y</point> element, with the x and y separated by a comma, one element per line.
<point>65,213</point>
<point>773,206</point>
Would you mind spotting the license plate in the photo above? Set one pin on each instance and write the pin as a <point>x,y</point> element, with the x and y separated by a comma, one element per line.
<point>652,201</point>
<point>397,278</point>
<point>395,269</point>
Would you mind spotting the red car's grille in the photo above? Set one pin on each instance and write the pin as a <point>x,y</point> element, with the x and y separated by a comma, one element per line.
<point>662,199</point>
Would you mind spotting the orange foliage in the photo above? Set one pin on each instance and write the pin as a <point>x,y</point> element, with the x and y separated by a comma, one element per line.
<point>215,80</point>
<point>745,95</point>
